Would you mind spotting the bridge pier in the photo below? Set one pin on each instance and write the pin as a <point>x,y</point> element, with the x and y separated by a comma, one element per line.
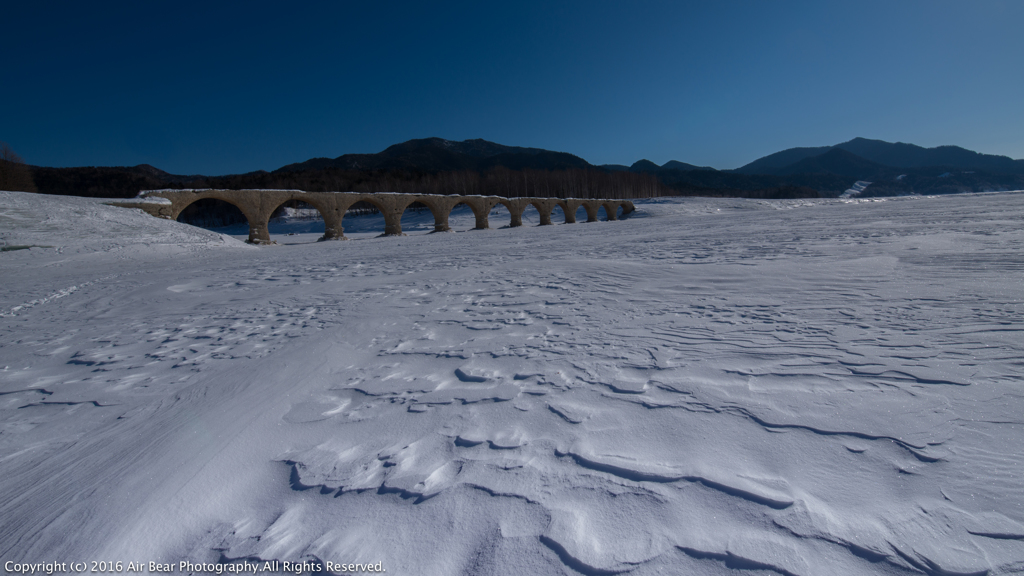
<point>569,207</point>
<point>441,222</point>
<point>258,234</point>
<point>259,225</point>
<point>486,205</point>
<point>544,209</point>
<point>481,217</point>
<point>516,207</point>
<point>392,224</point>
<point>333,229</point>
<point>440,208</point>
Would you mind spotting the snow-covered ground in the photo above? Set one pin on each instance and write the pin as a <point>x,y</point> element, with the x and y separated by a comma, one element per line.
<point>711,386</point>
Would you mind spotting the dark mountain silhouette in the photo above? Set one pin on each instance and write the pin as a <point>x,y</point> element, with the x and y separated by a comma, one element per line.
<point>438,154</point>
<point>105,181</point>
<point>898,155</point>
<point>542,160</point>
<point>677,165</point>
<point>771,163</point>
<point>651,167</point>
<point>644,166</point>
<point>153,172</point>
<point>840,163</point>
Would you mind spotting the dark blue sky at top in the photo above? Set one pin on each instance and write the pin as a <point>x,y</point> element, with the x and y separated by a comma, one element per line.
<point>212,88</point>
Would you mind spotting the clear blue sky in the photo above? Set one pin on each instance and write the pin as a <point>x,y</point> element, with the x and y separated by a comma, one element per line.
<point>208,88</point>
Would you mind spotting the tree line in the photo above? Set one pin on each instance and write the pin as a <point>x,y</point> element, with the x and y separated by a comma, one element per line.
<point>15,176</point>
<point>497,181</point>
<point>110,182</point>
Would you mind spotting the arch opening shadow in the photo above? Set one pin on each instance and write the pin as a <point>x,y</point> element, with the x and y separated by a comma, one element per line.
<point>215,214</point>
<point>417,219</point>
<point>462,217</point>
<point>581,214</point>
<point>557,215</point>
<point>602,214</point>
<point>363,219</point>
<point>298,219</point>
<point>499,216</point>
<point>531,215</point>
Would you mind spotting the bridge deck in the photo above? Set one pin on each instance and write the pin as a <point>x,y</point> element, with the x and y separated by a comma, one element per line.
<point>259,205</point>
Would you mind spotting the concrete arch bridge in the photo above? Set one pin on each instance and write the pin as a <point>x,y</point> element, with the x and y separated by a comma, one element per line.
<point>259,205</point>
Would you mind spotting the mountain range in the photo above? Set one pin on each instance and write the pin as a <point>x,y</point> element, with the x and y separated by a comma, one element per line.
<point>883,155</point>
<point>893,168</point>
<point>859,158</point>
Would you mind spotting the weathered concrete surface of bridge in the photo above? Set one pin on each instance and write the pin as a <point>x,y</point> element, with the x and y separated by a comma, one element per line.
<point>259,205</point>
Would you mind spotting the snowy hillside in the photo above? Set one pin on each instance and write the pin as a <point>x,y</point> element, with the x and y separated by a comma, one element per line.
<point>711,386</point>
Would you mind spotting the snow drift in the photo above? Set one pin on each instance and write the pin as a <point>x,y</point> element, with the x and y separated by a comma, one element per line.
<point>792,387</point>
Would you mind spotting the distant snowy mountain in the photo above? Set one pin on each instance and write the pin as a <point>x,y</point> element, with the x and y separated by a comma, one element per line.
<point>898,155</point>
<point>911,156</point>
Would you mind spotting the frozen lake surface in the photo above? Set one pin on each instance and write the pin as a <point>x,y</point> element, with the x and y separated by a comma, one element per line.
<point>711,386</point>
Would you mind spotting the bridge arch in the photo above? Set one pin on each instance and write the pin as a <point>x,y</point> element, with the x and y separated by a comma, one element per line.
<point>592,207</point>
<point>571,207</point>
<point>515,210</point>
<point>257,225</point>
<point>440,207</point>
<point>585,216</point>
<point>561,210</point>
<point>478,208</point>
<point>413,214</point>
<point>363,206</point>
<point>568,210</point>
<point>356,205</point>
<point>211,213</point>
<point>544,207</point>
<point>320,205</point>
<point>393,206</point>
<point>532,215</point>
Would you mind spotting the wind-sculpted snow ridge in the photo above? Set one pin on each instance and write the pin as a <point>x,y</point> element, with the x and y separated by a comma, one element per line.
<point>762,387</point>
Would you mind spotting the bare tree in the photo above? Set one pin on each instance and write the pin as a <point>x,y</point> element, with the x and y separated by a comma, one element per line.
<point>15,176</point>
